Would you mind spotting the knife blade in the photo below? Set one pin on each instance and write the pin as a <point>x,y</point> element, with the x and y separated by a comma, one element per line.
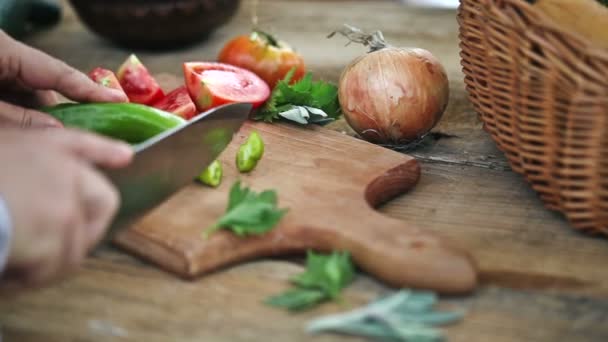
<point>169,161</point>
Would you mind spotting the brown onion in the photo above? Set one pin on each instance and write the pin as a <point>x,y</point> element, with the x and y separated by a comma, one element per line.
<point>392,95</point>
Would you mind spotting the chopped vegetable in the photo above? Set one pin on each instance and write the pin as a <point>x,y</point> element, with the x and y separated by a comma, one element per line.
<point>214,84</point>
<point>212,176</point>
<point>138,83</point>
<point>323,280</point>
<point>249,213</point>
<point>106,78</point>
<point>179,103</point>
<point>250,153</point>
<point>404,316</point>
<point>304,102</point>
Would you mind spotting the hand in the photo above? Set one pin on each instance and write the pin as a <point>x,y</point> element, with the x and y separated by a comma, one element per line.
<point>60,204</point>
<point>28,78</point>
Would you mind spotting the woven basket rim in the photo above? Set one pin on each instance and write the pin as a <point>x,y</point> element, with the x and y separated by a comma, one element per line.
<point>546,23</point>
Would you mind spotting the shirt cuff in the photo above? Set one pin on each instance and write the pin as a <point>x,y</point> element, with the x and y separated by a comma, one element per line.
<point>6,229</point>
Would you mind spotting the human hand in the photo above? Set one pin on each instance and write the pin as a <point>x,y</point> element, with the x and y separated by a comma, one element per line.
<point>28,79</point>
<point>60,205</point>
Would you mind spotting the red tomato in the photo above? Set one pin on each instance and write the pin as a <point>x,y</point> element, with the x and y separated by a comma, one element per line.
<point>138,83</point>
<point>215,84</point>
<point>261,53</point>
<point>106,78</point>
<point>179,103</point>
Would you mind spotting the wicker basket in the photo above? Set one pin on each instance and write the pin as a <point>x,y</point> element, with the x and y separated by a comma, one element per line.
<point>543,96</point>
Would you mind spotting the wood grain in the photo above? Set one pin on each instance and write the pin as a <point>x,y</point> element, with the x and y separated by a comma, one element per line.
<point>540,281</point>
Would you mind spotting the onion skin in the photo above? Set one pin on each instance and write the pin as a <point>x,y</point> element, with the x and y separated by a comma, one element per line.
<point>394,95</point>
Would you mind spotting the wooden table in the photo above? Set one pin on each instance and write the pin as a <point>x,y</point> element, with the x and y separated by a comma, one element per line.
<point>541,281</point>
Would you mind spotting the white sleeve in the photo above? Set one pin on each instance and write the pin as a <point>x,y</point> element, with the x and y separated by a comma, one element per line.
<point>5,234</point>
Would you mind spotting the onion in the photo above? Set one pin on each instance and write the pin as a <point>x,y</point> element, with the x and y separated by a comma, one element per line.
<point>392,95</point>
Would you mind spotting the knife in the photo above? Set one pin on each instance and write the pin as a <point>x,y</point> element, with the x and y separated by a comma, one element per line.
<point>171,160</point>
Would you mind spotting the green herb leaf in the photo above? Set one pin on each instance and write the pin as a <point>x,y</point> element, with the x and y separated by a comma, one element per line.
<point>249,213</point>
<point>297,300</point>
<point>304,102</point>
<point>329,273</point>
<point>324,279</point>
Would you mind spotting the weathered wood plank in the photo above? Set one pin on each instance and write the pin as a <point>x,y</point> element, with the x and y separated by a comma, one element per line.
<point>542,281</point>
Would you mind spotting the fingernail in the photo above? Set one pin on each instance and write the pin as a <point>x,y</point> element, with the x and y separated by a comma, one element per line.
<point>118,96</point>
<point>54,124</point>
<point>124,149</point>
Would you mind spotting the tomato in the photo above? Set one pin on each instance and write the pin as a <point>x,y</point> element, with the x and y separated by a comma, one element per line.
<point>138,83</point>
<point>106,78</point>
<point>179,103</point>
<point>262,54</point>
<point>215,84</point>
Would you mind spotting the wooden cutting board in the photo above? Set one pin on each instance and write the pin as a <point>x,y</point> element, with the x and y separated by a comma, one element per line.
<point>330,182</point>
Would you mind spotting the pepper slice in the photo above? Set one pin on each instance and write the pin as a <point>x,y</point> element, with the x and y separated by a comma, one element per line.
<point>213,175</point>
<point>250,152</point>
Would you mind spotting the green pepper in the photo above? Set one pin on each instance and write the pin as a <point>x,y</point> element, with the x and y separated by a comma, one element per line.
<point>212,176</point>
<point>250,152</point>
<point>130,122</point>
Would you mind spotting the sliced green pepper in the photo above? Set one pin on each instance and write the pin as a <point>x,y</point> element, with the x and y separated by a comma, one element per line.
<point>250,152</point>
<point>213,175</point>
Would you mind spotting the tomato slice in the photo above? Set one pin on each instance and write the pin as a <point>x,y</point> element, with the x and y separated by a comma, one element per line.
<point>106,78</point>
<point>138,83</point>
<point>179,103</point>
<point>215,84</point>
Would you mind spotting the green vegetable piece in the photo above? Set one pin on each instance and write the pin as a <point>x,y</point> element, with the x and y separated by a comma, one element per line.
<point>250,153</point>
<point>329,273</point>
<point>325,277</point>
<point>257,145</point>
<point>297,300</point>
<point>129,122</point>
<point>304,102</point>
<point>212,176</point>
<point>249,213</point>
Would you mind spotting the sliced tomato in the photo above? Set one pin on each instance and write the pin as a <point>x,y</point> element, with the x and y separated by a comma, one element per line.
<point>215,84</point>
<point>269,58</point>
<point>138,83</point>
<point>106,78</point>
<point>179,103</point>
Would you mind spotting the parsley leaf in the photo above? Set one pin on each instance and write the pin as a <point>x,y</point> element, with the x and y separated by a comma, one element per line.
<point>324,279</point>
<point>304,102</point>
<point>249,213</point>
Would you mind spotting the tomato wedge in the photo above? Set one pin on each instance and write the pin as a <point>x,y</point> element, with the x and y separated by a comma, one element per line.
<point>106,78</point>
<point>138,83</point>
<point>179,103</point>
<point>215,84</point>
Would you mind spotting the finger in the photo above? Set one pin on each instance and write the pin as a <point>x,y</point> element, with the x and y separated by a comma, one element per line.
<point>12,115</point>
<point>100,202</point>
<point>30,99</point>
<point>38,70</point>
<point>94,148</point>
<point>46,98</point>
